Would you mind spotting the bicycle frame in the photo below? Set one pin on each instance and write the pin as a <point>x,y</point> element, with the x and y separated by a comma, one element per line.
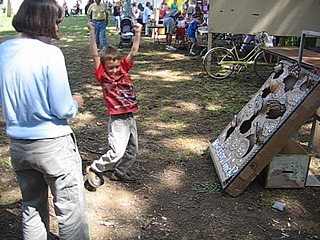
<point>220,62</point>
<point>246,60</point>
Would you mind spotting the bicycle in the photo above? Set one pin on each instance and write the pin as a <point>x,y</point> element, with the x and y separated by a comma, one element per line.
<point>221,62</point>
<point>220,39</point>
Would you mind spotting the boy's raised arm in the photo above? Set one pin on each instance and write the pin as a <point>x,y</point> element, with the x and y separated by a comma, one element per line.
<point>93,46</point>
<point>136,42</point>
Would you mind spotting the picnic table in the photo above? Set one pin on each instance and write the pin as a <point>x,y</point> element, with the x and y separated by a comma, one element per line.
<point>203,31</point>
<point>299,54</point>
<point>309,58</point>
<point>155,32</point>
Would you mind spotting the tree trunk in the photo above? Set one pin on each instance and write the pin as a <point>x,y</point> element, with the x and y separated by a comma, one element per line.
<point>9,9</point>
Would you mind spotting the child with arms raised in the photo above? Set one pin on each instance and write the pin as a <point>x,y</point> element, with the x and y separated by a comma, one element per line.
<point>111,71</point>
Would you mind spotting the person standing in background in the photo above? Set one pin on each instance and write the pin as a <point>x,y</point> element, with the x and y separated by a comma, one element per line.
<point>77,7</point>
<point>184,6</point>
<point>169,23</point>
<point>140,7</point>
<point>37,103</point>
<point>197,12</point>
<point>98,14</point>
<point>174,5</point>
<point>146,16</point>
<point>135,12</point>
<point>87,6</point>
<point>66,9</point>
<point>164,9</point>
<point>190,11</point>
<point>116,15</point>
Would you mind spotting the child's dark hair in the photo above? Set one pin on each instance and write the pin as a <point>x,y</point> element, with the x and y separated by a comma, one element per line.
<point>38,18</point>
<point>200,19</point>
<point>109,54</point>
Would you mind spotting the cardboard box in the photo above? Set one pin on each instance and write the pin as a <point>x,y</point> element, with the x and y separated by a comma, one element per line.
<point>260,130</point>
<point>288,168</point>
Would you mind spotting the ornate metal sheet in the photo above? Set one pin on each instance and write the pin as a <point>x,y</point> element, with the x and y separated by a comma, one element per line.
<point>272,108</point>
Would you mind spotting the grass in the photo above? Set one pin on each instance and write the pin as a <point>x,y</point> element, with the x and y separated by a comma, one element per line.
<point>6,23</point>
<point>209,187</point>
<point>252,237</point>
<point>264,201</point>
<point>6,29</point>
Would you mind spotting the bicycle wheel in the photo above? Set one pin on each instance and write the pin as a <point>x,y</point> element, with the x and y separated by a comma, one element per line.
<point>264,64</point>
<point>216,63</point>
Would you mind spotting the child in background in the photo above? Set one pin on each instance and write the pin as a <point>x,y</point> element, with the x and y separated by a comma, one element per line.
<point>111,71</point>
<point>192,32</point>
<point>197,13</point>
<point>146,17</point>
<point>174,5</point>
<point>181,29</point>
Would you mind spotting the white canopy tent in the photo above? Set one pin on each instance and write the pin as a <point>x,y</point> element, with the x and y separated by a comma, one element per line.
<point>277,17</point>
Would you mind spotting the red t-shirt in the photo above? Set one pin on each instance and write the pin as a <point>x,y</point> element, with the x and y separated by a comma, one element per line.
<point>118,93</point>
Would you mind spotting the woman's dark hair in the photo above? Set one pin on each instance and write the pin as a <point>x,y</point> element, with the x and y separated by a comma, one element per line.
<point>38,18</point>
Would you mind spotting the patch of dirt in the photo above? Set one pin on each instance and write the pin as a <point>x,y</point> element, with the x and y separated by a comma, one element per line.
<point>178,194</point>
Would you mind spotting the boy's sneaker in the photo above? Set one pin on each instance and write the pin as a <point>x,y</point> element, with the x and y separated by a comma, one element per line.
<point>170,48</point>
<point>125,177</point>
<point>192,52</point>
<point>93,178</point>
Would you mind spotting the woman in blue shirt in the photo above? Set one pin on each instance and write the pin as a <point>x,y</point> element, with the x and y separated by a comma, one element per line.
<point>36,101</point>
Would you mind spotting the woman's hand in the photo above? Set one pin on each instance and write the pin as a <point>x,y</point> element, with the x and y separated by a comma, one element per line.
<point>79,100</point>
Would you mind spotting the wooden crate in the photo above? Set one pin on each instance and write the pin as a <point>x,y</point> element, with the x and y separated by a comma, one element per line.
<point>288,168</point>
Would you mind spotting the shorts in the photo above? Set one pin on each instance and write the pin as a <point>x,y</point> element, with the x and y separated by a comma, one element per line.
<point>192,39</point>
<point>181,32</point>
<point>169,25</point>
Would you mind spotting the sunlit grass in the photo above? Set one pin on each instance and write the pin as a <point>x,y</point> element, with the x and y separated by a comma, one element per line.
<point>209,187</point>
<point>5,23</point>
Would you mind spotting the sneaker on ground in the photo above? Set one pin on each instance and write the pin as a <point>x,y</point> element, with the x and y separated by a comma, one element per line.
<point>172,48</point>
<point>124,177</point>
<point>192,52</point>
<point>168,48</point>
<point>93,178</point>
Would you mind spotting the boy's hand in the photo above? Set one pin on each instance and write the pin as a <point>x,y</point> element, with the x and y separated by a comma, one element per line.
<point>137,28</point>
<point>90,26</point>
